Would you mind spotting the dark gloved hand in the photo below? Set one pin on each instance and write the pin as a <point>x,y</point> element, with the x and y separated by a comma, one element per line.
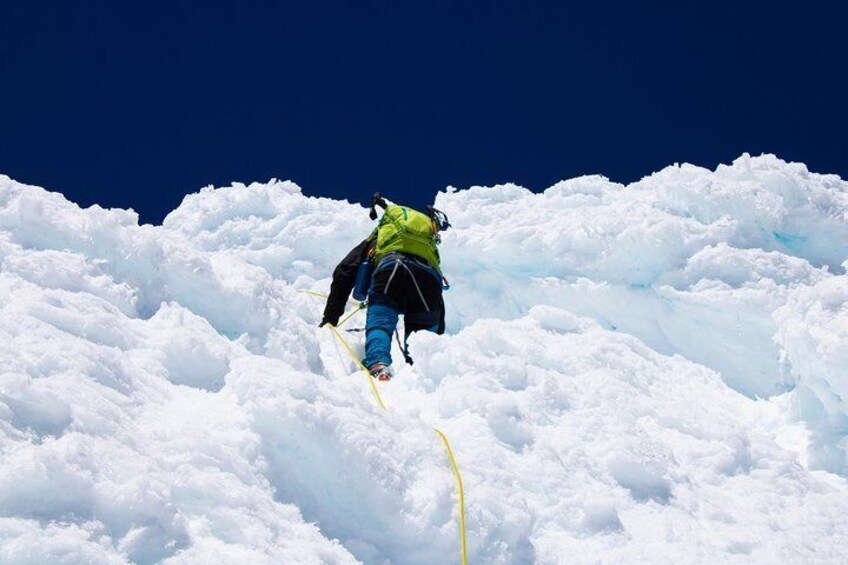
<point>325,321</point>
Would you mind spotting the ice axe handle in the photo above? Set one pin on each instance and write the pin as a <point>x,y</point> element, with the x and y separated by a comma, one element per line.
<point>376,200</point>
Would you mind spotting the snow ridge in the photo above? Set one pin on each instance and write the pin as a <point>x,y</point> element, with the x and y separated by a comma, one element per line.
<point>643,373</point>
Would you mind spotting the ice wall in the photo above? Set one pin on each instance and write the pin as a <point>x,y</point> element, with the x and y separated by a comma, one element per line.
<point>643,373</point>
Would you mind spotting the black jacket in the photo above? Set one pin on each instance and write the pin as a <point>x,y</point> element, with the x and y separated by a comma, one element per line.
<point>418,296</point>
<point>344,277</point>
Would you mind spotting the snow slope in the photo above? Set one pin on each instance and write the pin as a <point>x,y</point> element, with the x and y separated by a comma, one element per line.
<point>650,373</point>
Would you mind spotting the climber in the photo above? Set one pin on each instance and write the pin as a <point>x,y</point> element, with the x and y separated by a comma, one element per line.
<point>397,268</point>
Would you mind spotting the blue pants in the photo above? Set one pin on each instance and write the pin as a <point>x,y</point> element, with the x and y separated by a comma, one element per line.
<point>380,323</point>
<point>400,286</point>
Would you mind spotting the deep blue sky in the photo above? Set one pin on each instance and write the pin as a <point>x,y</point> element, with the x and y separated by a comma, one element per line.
<point>134,105</point>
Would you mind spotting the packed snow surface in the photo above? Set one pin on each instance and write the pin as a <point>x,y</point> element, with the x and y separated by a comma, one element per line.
<point>652,373</point>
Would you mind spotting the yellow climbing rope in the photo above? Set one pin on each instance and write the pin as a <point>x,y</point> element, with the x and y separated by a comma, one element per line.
<point>313,293</point>
<point>376,392</point>
<point>463,546</point>
<point>359,308</point>
<point>454,466</point>
<point>322,295</point>
<point>353,355</point>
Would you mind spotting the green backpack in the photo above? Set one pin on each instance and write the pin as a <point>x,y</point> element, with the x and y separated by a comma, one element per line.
<point>403,229</point>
